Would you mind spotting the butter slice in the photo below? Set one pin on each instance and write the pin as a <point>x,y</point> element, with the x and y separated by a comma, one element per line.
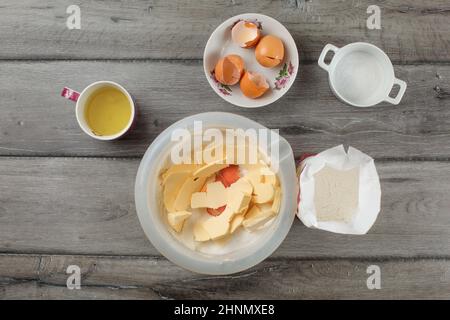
<point>263,192</point>
<point>216,227</point>
<point>199,200</point>
<point>211,168</point>
<point>179,168</point>
<point>237,200</point>
<point>216,195</point>
<point>176,219</point>
<point>236,222</point>
<point>276,200</point>
<point>254,177</point>
<point>253,212</point>
<point>183,199</point>
<point>257,216</point>
<point>172,186</point>
<point>269,176</point>
<point>209,180</point>
<point>243,185</point>
<point>200,233</point>
<point>227,214</point>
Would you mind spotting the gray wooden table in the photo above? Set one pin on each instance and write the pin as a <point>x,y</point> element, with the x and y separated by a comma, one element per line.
<point>68,199</point>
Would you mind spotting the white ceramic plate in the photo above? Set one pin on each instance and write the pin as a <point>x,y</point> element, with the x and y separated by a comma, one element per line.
<point>280,78</point>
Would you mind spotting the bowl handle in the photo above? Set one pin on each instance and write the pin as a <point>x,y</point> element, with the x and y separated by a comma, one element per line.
<point>326,49</point>
<point>401,92</point>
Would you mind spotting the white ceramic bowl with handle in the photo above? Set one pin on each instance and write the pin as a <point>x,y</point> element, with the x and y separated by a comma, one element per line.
<point>147,197</point>
<point>361,74</point>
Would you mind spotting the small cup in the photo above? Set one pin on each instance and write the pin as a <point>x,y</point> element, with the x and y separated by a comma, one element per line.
<point>81,102</point>
<point>361,74</point>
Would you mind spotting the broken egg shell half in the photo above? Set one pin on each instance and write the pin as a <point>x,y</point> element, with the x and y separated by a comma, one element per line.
<point>253,85</point>
<point>229,69</point>
<point>246,34</point>
<point>270,51</point>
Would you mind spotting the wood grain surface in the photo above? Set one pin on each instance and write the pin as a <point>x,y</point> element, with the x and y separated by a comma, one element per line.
<point>68,199</point>
<point>106,277</point>
<point>412,31</point>
<point>36,120</point>
<point>50,205</point>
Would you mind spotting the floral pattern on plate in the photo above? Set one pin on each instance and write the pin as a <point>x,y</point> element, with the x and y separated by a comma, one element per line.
<point>283,76</point>
<point>223,88</point>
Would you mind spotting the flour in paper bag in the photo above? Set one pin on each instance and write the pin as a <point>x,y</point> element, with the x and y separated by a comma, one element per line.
<point>336,193</point>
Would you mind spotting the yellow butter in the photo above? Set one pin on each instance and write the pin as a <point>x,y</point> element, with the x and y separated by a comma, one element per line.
<point>209,180</point>
<point>253,212</point>
<point>257,216</point>
<point>254,223</point>
<point>177,219</point>
<point>216,227</point>
<point>210,169</point>
<point>227,214</point>
<point>199,200</point>
<point>243,185</point>
<point>245,209</point>
<point>183,199</point>
<point>269,176</point>
<point>272,179</point>
<point>200,233</point>
<point>237,200</point>
<point>216,195</point>
<point>263,192</point>
<point>254,177</point>
<point>236,222</point>
<point>172,186</point>
<point>179,168</point>
<point>276,200</point>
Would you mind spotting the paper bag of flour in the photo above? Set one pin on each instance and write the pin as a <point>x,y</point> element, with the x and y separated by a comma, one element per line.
<point>339,191</point>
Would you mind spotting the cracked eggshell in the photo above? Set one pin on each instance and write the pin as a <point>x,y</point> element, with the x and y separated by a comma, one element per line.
<point>229,69</point>
<point>253,85</point>
<point>246,34</point>
<point>269,51</point>
<point>221,44</point>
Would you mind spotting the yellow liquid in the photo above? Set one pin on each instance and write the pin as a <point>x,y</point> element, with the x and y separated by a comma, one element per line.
<point>108,111</point>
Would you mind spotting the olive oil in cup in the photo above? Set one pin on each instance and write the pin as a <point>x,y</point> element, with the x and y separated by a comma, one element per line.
<point>104,110</point>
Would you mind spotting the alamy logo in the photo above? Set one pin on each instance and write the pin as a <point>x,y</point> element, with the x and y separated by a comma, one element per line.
<point>74,20</point>
<point>74,280</point>
<point>374,20</point>
<point>374,280</point>
<point>230,146</point>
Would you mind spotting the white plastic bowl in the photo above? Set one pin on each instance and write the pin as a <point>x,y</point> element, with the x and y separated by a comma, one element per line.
<point>151,216</point>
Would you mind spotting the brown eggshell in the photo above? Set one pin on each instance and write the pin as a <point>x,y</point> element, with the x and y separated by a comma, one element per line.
<point>246,34</point>
<point>229,69</point>
<point>269,51</point>
<point>253,85</point>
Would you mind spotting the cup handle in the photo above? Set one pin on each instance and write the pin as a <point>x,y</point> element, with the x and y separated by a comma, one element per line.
<point>401,92</point>
<point>70,94</point>
<point>325,50</point>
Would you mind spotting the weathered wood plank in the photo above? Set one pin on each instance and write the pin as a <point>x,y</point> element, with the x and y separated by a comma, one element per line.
<point>86,206</point>
<point>37,121</point>
<point>411,31</point>
<point>44,277</point>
